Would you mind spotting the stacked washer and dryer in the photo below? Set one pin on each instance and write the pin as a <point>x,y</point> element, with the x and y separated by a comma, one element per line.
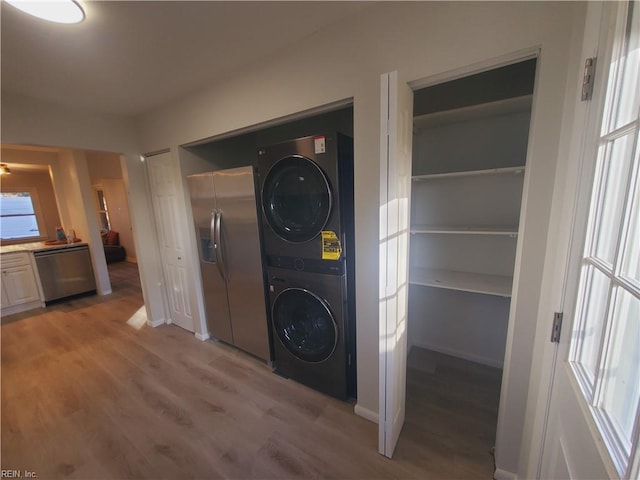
<point>306,189</point>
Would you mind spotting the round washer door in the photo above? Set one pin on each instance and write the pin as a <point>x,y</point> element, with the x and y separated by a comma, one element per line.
<point>296,199</point>
<point>304,325</point>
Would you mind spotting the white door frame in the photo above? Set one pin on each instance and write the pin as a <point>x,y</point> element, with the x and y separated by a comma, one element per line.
<point>514,57</point>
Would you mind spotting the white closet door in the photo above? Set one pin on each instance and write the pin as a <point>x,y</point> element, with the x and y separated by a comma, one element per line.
<point>164,192</point>
<point>396,127</point>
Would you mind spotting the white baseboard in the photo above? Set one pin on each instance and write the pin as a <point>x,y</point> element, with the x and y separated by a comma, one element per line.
<point>156,323</point>
<point>23,307</point>
<point>365,413</point>
<point>454,353</point>
<point>202,336</point>
<point>504,475</point>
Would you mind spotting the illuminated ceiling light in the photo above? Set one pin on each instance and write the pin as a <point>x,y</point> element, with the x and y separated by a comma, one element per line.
<point>4,170</point>
<point>59,11</point>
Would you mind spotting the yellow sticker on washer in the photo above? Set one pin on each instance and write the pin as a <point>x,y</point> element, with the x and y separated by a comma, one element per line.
<point>331,248</point>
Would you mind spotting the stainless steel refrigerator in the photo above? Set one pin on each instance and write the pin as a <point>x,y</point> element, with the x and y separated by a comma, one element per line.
<point>225,217</point>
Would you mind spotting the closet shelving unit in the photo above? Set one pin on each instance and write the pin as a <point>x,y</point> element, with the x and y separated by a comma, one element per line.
<point>470,138</point>
<point>485,283</point>
<point>478,198</point>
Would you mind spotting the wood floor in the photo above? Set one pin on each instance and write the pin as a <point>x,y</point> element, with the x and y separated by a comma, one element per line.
<point>451,415</point>
<point>86,396</point>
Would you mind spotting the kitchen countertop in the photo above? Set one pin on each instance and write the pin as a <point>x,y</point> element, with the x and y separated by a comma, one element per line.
<point>33,246</point>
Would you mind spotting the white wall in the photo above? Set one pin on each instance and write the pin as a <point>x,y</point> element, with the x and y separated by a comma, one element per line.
<point>104,165</point>
<point>462,324</point>
<point>28,121</point>
<point>498,141</point>
<point>421,39</point>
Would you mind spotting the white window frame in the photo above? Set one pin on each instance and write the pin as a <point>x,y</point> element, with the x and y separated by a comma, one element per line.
<point>96,190</point>
<point>42,228</point>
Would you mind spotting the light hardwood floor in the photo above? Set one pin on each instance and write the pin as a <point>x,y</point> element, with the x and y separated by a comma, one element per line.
<point>86,396</point>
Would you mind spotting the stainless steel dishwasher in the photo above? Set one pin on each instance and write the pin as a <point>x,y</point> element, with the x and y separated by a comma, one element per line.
<point>65,271</point>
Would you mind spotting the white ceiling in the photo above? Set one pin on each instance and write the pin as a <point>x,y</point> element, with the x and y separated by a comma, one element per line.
<point>130,56</point>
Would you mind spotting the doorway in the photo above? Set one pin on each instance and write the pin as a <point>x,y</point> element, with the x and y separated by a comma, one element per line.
<point>111,206</point>
<point>76,212</point>
<point>468,167</point>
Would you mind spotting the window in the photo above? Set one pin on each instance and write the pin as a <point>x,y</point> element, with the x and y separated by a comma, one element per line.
<point>19,216</point>
<point>103,212</point>
<point>605,352</point>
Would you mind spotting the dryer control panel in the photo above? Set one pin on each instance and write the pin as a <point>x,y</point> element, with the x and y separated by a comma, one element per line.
<point>330,267</point>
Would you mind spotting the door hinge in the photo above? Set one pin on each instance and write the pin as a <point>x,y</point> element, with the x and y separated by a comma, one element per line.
<point>588,78</point>
<point>557,327</point>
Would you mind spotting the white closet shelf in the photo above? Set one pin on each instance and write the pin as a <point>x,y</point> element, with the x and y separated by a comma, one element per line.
<point>463,281</point>
<point>470,173</point>
<point>511,230</point>
<point>474,112</point>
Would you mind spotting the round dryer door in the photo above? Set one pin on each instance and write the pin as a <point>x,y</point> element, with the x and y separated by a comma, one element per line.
<point>296,199</point>
<point>304,324</point>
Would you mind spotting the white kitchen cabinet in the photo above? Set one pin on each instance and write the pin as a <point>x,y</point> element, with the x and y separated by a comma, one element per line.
<point>19,285</point>
<point>5,298</point>
<point>468,174</point>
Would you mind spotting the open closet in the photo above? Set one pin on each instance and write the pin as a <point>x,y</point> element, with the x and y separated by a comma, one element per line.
<point>469,162</point>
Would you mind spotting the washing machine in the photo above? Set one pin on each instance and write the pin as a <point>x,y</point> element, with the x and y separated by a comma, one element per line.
<point>313,330</point>
<point>306,190</point>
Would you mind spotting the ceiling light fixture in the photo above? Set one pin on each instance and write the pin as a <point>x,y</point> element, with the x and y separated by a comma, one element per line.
<point>4,170</point>
<point>59,11</point>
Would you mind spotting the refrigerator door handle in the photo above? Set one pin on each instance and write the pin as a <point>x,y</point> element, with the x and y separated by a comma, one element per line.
<point>212,239</point>
<point>218,245</point>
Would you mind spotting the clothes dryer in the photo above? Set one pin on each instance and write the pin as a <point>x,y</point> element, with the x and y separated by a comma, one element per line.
<point>306,190</point>
<point>313,330</point>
